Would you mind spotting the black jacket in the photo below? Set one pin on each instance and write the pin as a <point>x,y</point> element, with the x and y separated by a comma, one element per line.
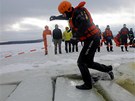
<point>57,34</point>
<point>131,35</point>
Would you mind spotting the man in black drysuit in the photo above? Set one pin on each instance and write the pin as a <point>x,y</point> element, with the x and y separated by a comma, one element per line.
<point>80,21</point>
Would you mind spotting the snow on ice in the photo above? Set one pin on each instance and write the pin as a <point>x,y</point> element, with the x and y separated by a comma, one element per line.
<point>18,68</point>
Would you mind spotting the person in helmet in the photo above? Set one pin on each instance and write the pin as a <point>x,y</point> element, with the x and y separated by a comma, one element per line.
<point>82,24</point>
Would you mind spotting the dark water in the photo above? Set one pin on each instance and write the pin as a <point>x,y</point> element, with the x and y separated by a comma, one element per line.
<point>21,42</point>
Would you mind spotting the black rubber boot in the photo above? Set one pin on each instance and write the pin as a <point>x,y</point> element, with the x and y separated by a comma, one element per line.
<point>98,49</point>
<point>126,49</point>
<point>111,73</point>
<point>84,87</point>
<point>107,49</point>
<point>55,52</point>
<point>111,49</point>
<point>122,49</point>
<point>46,52</point>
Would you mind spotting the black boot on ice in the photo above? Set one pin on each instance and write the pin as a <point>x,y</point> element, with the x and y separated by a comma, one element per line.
<point>111,49</point>
<point>126,49</point>
<point>110,72</point>
<point>84,87</point>
<point>108,49</point>
<point>122,49</point>
<point>111,75</point>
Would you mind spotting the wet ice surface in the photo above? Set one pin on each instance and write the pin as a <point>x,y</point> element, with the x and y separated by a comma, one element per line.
<point>66,91</point>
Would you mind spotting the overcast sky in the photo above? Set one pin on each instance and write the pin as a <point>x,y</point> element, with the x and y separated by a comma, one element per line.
<point>25,19</point>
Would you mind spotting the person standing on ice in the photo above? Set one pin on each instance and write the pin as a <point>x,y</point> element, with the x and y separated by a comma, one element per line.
<point>81,22</point>
<point>46,32</point>
<point>100,37</point>
<point>57,39</point>
<point>123,37</point>
<point>67,35</point>
<point>74,42</point>
<point>131,36</point>
<point>108,36</point>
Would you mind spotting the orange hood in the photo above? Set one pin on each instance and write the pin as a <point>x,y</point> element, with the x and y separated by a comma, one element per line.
<point>81,4</point>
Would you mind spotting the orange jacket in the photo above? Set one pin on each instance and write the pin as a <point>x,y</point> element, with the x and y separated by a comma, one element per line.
<point>45,33</point>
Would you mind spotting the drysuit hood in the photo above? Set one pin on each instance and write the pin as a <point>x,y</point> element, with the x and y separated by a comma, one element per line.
<point>81,4</point>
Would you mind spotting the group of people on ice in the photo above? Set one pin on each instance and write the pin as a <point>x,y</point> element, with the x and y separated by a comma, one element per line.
<point>81,23</point>
<point>121,39</point>
<point>71,42</point>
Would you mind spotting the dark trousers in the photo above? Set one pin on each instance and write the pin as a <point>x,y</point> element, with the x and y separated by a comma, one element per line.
<point>124,43</point>
<point>98,49</point>
<point>75,46</point>
<point>57,43</point>
<point>109,45</point>
<point>131,41</point>
<point>67,46</point>
<point>86,59</point>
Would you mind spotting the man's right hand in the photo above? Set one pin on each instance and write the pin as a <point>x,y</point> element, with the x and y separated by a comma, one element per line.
<point>52,18</point>
<point>60,17</point>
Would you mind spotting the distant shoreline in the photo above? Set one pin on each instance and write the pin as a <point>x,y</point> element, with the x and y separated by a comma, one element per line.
<point>21,42</point>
